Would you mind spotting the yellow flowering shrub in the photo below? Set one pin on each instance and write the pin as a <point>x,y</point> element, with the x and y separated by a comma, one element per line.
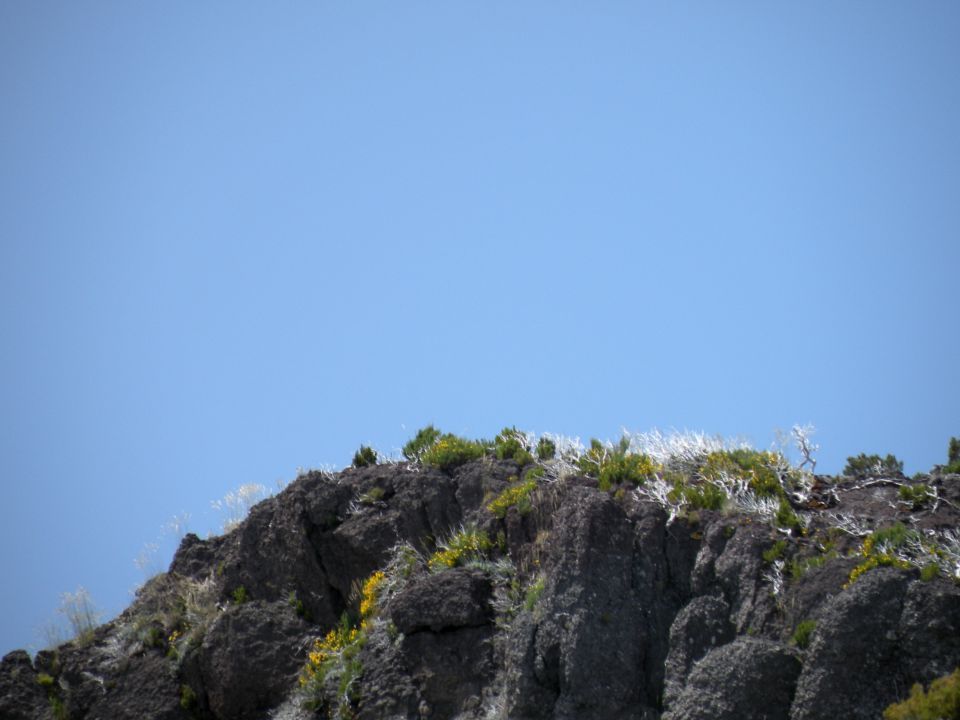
<point>452,451</point>
<point>368,597</point>
<point>517,495</point>
<point>466,545</point>
<point>335,656</point>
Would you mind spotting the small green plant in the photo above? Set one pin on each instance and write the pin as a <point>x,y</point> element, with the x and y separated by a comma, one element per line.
<point>547,449</point>
<point>801,566</point>
<point>372,496</point>
<point>517,495</point>
<point>775,552</point>
<point>940,702</point>
<point>452,451</point>
<point>298,607</point>
<point>786,517</point>
<point>803,633</point>
<point>423,441</point>
<point>953,456</point>
<point>467,545</point>
<point>866,465</point>
<point>915,495</point>
<point>364,457</point>
<point>930,571</point>
<point>240,595</point>
<point>188,698</point>
<point>532,596</point>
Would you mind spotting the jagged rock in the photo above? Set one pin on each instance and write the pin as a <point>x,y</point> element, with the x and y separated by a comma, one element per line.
<point>634,614</point>
<point>748,679</point>
<point>851,666</point>
<point>250,658</point>
<point>701,626</point>
<point>457,598</point>
<point>21,696</point>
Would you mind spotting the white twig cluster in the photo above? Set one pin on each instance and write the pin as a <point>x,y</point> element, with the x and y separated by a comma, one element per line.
<point>685,447</point>
<point>657,490</point>
<point>774,576</point>
<point>850,524</point>
<point>236,504</point>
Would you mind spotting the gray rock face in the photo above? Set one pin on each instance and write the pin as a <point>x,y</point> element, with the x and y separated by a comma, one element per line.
<point>249,658</point>
<point>605,611</point>
<point>457,598</point>
<point>699,627</point>
<point>749,679</point>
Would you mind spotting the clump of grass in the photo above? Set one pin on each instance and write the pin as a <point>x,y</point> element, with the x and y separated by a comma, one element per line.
<point>81,615</point>
<point>699,496</point>
<point>863,465</point>
<point>915,495</point>
<point>469,544</point>
<point>240,595</point>
<point>775,552</point>
<point>534,591</point>
<point>803,633</point>
<point>940,702</point>
<point>786,517</point>
<point>372,496</point>
<point>364,457</point>
<point>801,566</point>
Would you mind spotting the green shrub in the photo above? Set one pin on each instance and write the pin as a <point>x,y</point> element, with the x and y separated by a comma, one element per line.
<point>940,702</point>
<point>865,465</point>
<point>758,467</point>
<point>953,456</point>
<point>613,466</point>
<point>786,517</point>
<point>364,457</point>
<point>452,451</point>
<point>803,632</point>
<point>626,469</point>
<point>699,496</point>
<point>423,441</point>
<point>546,449</point>
<point>916,495</point>
<point>240,595</point>
<point>510,444</point>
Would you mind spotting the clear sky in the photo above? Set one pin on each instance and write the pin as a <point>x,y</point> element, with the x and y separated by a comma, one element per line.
<point>241,238</point>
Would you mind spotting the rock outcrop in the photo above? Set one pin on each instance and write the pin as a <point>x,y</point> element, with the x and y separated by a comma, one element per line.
<point>586,604</point>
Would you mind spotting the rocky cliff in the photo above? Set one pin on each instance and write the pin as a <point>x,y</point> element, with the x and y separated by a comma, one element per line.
<point>517,588</point>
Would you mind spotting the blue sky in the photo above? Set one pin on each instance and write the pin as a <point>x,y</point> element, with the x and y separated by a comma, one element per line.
<point>237,239</point>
